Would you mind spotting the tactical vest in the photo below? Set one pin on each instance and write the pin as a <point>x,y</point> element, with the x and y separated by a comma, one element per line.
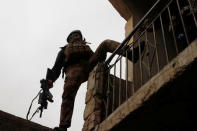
<point>76,53</point>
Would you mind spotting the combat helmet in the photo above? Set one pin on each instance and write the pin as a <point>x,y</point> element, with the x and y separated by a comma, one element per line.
<point>75,31</point>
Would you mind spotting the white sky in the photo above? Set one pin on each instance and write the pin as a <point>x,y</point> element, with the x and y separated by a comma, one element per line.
<point>31,32</point>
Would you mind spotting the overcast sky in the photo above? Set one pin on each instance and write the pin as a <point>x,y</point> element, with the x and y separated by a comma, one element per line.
<point>31,32</point>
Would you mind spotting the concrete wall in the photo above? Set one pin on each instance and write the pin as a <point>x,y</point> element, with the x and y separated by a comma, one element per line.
<point>10,122</point>
<point>135,8</point>
<point>122,8</point>
<point>95,104</point>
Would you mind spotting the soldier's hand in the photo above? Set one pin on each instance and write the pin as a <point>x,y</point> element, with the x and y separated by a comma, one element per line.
<point>50,83</point>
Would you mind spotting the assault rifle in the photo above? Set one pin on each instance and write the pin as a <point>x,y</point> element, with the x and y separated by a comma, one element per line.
<point>44,96</point>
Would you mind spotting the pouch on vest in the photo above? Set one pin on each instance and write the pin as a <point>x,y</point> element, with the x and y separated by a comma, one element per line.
<point>78,51</point>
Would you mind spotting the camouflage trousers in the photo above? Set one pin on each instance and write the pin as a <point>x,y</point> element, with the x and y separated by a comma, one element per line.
<point>75,75</point>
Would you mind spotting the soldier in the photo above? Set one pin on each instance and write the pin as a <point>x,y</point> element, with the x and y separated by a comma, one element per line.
<point>77,60</point>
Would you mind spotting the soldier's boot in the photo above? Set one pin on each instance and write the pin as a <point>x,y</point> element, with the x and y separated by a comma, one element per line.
<point>61,128</point>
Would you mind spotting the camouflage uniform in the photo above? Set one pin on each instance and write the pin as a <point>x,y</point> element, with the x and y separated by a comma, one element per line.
<point>77,68</point>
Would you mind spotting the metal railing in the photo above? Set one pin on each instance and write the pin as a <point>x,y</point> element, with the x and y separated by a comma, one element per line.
<point>165,30</point>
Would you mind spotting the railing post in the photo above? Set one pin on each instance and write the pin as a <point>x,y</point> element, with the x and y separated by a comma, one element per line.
<point>148,51</point>
<point>120,84</point>
<point>108,93</point>
<point>140,59</point>
<point>193,14</point>
<point>155,42</point>
<point>183,24</point>
<point>126,73</point>
<point>173,32</point>
<point>164,39</point>
<point>133,83</point>
<point>114,83</point>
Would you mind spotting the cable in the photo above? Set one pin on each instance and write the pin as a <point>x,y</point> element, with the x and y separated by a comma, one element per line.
<point>31,106</point>
<point>34,113</point>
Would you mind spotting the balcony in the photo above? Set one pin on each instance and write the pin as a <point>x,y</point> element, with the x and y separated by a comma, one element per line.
<point>159,92</point>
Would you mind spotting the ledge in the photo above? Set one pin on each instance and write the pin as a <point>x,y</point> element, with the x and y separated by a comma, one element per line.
<point>10,122</point>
